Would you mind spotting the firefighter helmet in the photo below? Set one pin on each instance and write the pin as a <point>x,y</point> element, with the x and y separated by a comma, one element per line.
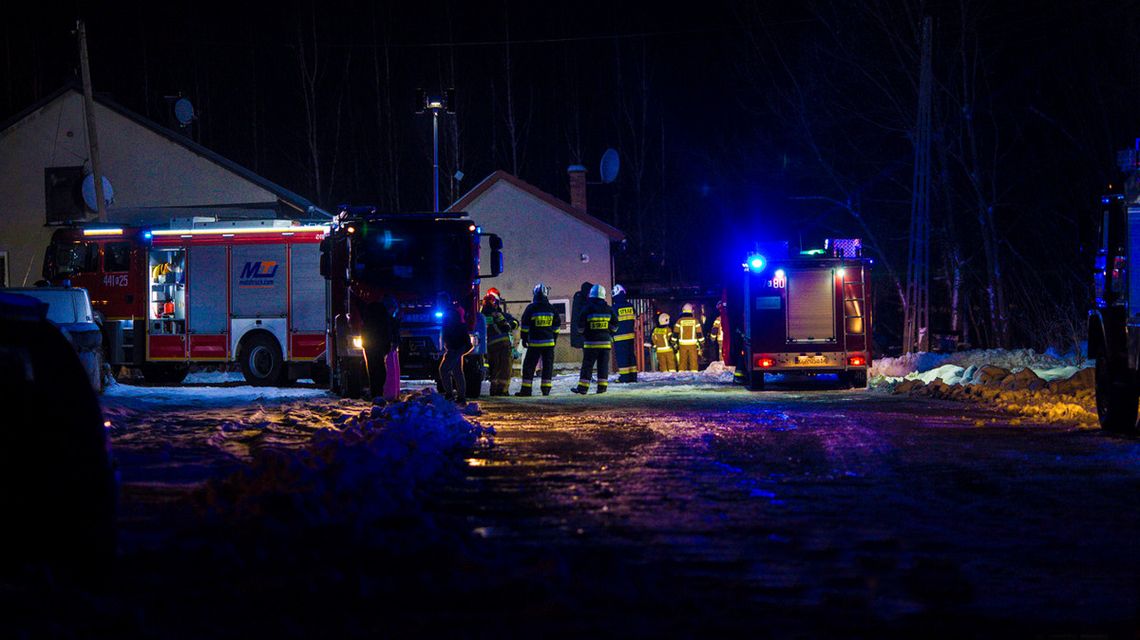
<point>663,319</point>
<point>687,308</point>
<point>618,290</point>
<point>494,292</point>
<point>541,289</point>
<point>598,292</point>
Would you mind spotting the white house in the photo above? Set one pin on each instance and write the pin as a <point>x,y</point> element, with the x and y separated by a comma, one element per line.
<point>545,239</point>
<point>156,174</point>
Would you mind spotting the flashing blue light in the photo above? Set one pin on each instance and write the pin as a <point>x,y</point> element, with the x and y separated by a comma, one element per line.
<point>147,235</point>
<point>439,315</point>
<point>756,263</point>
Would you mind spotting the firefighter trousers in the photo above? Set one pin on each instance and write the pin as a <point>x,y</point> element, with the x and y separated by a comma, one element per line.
<point>451,376</point>
<point>590,358</point>
<point>665,360</point>
<point>688,357</point>
<point>626,359</point>
<point>533,356</point>
<point>499,362</point>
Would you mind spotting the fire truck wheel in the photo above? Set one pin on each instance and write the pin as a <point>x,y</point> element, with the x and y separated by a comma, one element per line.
<point>1116,396</point>
<point>856,379</point>
<point>164,373</point>
<point>350,375</point>
<point>756,381</point>
<point>473,375</point>
<point>261,362</point>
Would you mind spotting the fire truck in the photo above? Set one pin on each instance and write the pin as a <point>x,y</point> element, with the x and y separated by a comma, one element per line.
<point>427,262</point>
<point>806,313</point>
<point>247,292</point>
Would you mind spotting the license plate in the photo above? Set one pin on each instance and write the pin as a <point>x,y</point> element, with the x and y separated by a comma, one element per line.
<point>809,360</point>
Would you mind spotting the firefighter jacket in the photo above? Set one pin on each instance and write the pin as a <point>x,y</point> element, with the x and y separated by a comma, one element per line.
<point>500,324</point>
<point>663,339</point>
<point>598,323</point>
<point>688,330</point>
<point>626,317</point>
<point>540,323</point>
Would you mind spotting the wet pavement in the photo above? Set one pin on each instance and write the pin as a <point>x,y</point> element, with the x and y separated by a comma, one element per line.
<point>654,510</point>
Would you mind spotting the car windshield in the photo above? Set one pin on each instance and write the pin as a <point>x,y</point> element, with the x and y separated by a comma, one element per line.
<point>64,307</point>
<point>413,256</point>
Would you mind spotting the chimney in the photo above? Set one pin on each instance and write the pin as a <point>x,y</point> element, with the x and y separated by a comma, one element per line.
<point>577,186</point>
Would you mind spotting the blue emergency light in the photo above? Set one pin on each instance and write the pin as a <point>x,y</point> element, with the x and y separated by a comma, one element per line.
<point>756,263</point>
<point>439,315</point>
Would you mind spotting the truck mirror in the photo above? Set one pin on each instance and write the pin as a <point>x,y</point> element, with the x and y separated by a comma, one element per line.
<point>325,244</point>
<point>497,260</point>
<point>496,243</point>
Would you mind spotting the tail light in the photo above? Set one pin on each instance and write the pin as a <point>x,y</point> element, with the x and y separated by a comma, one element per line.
<point>765,363</point>
<point>856,361</point>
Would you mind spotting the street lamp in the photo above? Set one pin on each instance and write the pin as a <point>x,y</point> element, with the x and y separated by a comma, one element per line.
<point>435,104</point>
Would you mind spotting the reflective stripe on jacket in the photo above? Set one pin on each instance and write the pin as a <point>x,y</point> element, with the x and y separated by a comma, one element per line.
<point>688,330</point>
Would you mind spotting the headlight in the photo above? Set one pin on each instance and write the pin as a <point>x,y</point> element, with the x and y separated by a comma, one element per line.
<point>357,342</point>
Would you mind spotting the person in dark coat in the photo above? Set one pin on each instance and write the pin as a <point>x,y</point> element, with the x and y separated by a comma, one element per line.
<point>579,301</point>
<point>456,343</point>
<point>625,348</point>
<point>380,333</point>
<point>598,323</point>
<point>540,323</point>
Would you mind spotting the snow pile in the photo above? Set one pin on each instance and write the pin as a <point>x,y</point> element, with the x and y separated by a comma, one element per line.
<point>1042,387</point>
<point>363,480</point>
<point>715,373</point>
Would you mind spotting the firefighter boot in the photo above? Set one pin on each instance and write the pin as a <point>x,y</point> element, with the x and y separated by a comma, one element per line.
<point>546,387</point>
<point>524,391</point>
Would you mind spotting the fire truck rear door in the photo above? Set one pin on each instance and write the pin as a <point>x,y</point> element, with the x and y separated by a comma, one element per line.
<point>207,301</point>
<point>811,306</point>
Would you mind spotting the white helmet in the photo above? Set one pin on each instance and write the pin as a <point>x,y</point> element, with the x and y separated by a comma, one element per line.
<point>598,292</point>
<point>687,308</point>
<point>618,290</point>
<point>541,289</point>
<point>663,318</point>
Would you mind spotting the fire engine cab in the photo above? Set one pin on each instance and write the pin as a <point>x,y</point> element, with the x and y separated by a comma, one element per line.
<point>807,313</point>
<point>248,292</point>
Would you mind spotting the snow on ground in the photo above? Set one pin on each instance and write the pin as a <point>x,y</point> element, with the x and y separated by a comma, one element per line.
<point>207,395</point>
<point>1046,387</point>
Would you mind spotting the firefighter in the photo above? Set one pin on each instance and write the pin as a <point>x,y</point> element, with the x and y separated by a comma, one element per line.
<point>716,335</point>
<point>380,332</point>
<point>624,348</point>
<point>598,324</point>
<point>689,338</point>
<point>662,344</point>
<point>540,323</point>
<point>500,326</point>
<point>457,343</point>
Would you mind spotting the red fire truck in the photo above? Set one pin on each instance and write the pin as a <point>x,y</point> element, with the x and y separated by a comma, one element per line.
<point>807,313</point>
<point>244,291</point>
<point>426,262</point>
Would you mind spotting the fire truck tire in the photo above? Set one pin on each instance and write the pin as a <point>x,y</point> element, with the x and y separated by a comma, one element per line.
<point>350,376</point>
<point>756,381</point>
<point>1116,395</point>
<point>261,361</point>
<point>856,379</point>
<point>164,373</point>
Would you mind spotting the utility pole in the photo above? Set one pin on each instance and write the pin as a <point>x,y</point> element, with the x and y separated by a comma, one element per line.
<point>916,329</point>
<point>446,103</point>
<point>89,113</point>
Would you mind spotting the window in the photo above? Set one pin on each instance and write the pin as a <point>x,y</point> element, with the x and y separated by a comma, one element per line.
<point>76,257</point>
<point>116,257</point>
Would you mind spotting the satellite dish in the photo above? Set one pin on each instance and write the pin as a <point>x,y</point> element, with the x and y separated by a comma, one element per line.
<point>89,192</point>
<point>183,111</point>
<point>610,165</point>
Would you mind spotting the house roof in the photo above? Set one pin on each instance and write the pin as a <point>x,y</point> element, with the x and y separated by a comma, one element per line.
<point>301,204</point>
<point>563,206</point>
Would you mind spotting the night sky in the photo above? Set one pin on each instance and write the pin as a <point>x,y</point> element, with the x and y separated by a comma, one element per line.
<point>734,120</point>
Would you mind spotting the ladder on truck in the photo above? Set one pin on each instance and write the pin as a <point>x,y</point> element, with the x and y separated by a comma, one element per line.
<point>854,306</point>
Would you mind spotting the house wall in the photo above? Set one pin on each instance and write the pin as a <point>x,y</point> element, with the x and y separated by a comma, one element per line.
<point>144,168</point>
<point>540,244</point>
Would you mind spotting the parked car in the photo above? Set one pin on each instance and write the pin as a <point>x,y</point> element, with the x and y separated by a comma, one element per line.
<point>58,481</point>
<point>69,308</point>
